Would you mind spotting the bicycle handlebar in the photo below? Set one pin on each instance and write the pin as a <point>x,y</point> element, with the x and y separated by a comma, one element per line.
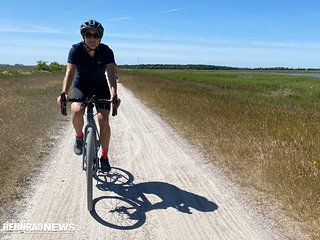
<point>96,101</point>
<point>87,101</point>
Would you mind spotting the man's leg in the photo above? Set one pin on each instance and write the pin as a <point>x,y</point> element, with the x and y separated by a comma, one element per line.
<point>77,111</point>
<point>105,133</point>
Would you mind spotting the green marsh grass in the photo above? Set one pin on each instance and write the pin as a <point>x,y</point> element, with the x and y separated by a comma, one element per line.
<point>265,127</point>
<point>28,121</point>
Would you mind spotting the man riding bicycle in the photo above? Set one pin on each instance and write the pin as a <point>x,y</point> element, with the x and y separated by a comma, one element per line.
<point>87,63</point>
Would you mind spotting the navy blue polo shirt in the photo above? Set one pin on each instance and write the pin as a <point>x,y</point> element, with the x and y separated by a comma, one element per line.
<point>90,76</point>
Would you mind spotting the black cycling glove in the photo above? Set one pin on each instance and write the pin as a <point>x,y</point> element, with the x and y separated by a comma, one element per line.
<point>63,104</point>
<point>114,105</point>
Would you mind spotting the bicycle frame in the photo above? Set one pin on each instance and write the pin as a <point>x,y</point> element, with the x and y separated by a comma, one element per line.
<point>91,145</point>
<point>91,123</point>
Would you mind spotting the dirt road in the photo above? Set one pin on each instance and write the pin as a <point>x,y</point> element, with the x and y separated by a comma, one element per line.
<point>160,188</point>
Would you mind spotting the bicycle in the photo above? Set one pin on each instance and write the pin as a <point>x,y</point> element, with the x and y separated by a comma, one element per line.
<point>119,211</point>
<point>91,146</point>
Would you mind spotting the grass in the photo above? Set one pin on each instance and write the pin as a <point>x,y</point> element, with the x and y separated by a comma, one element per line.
<point>265,127</point>
<point>28,121</point>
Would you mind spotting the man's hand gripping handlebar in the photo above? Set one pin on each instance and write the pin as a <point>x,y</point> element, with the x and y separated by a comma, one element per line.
<point>115,104</point>
<point>62,102</point>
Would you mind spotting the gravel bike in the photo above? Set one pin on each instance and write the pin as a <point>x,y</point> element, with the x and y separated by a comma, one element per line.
<point>91,142</point>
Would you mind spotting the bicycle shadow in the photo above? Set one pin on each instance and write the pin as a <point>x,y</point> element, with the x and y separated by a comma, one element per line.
<point>133,201</point>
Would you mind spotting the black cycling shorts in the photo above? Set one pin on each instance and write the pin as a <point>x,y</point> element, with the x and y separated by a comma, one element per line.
<point>77,93</point>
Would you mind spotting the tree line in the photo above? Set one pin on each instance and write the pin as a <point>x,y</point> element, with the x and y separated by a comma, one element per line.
<point>177,66</point>
<point>43,66</point>
<point>206,67</point>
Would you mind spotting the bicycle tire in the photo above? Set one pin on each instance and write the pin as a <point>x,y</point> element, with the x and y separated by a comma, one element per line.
<point>117,176</point>
<point>90,145</point>
<point>118,213</point>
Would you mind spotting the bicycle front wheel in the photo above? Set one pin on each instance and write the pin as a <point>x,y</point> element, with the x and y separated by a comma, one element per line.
<point>90,150</point>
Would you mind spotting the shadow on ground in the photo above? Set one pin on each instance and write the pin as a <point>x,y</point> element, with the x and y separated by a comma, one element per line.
<point>125,205</point>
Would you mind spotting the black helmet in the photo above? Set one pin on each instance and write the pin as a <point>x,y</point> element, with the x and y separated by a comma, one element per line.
<point>91,24</point>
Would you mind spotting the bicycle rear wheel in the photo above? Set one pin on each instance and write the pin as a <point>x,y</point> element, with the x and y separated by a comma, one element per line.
<point>90,150</point>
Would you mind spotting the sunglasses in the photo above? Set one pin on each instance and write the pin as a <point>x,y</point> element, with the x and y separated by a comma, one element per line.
<point>95,35</point>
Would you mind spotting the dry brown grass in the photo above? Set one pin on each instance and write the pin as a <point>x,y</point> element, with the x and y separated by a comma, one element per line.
<point>28,121</point>
<point>268,135</point>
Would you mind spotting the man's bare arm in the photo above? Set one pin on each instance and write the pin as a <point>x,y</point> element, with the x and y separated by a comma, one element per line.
<point>68,79</point>
<point>111,72</point>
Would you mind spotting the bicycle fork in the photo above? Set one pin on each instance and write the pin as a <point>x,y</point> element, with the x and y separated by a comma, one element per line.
<point>97,147</point>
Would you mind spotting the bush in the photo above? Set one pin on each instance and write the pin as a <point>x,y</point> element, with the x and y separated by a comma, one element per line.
<point>56,67</point>
<point>42,66</point>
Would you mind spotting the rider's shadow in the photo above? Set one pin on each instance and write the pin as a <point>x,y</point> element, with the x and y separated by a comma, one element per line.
<point>148,196</point>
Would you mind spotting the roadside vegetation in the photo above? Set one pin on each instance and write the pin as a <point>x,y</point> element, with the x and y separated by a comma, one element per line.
<point>264,130</point>
<point>28,124</point>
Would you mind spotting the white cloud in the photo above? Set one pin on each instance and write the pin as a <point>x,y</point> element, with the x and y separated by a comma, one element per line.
<point>23,27</point>
<point>182,8</point>
<point>174,10</point>
<point>117,19</point>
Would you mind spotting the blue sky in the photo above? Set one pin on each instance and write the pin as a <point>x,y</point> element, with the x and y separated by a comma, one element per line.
<point>247,33</point>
